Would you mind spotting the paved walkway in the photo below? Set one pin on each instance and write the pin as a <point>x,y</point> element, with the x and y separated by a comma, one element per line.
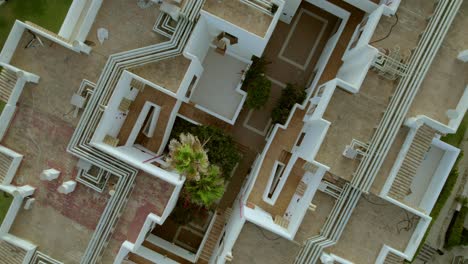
<point>437,233</point>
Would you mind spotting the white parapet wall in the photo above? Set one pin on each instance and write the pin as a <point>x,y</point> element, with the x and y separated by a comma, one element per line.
<point>463,56</point>
<point>14,165</point>
<point>18,193</point>
<point>21,243</point>
<point>79,19</point>
<point>10,108</point>
<point>460,110</point>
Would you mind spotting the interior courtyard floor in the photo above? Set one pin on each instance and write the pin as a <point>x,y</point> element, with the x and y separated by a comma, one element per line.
<point>241,15</point>
<point>40,130</point>
<point>259,246</point>
<point>369,228</point>
<point>447,77</point>
<point>132,29</point>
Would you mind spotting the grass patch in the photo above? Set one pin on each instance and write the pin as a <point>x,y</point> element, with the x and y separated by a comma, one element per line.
<point>2,105</point>
<point>5,201</point>
<point>454,235</point>
<point>457,138</point>
<point>49,14</point>
<point>454,140</point>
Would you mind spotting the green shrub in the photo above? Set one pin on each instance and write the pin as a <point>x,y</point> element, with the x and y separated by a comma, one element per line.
<point>206,191</point>
<point>2,106</point>
<point>255,70</point>
<point>447,189</point>
<point>289,96</point>
<point>221,148</point>
<point>185,211</point>
<point>464,239</point>
<point>258,92</point>
<point>256,84</point>
<point>5,202</point>
<point>442,199</point>
<point>274,8</point>
<point>454,233</point>
<point>457,138</point>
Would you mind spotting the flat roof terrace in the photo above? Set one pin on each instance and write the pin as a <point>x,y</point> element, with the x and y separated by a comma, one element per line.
<point>150,195</point>
<point>167,73</point>
<point>412,19</point>
<point>374,222</point>
<point>41,130</point>
<point>256,245</point>
<point>240,14</point>
<point>447,77</point>
<point>353,116</point>
<point>217,91</point>
<point>129,27</point>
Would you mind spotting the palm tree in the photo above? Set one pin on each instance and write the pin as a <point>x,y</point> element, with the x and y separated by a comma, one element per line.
<point>208,189</point>
<point>188,157</point>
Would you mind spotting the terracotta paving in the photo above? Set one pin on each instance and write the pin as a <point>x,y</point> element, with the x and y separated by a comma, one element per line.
<point>42,139</point>
<point>284,139</point>
<point>150,195</point>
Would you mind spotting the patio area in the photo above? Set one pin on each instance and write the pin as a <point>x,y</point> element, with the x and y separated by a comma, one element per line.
<point>132,29</point>
<point>369,228</point>
<point>167,73</point>
<point>240,14</point>
<point>216,90</point>
<point>258,246</point>
<point>353,116</point>
<point>150,195</point>
<point>446,71</point>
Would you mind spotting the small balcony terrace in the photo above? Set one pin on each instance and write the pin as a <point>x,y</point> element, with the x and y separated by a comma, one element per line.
<point>420,170</point>
<point>370,228</point>
<point>240,14</point>
<point>129,27</point>
<point>218,90</point>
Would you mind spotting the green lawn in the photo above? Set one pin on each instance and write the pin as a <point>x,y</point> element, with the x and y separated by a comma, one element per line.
<point>454,140</point>
<point>5,201</point>
<point>46,13</point>
<point>2,105</point>
<point>457,138</point>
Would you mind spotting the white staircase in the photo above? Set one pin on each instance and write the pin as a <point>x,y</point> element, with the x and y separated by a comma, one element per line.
<point>426,253</point>
<point>401,187</point>
<point>333,228</point>
<point>392,258</point>
<point>264,6</point>
<point>5,163</point>
<point>11,254</point>
<point>41,258</point>
<point>213,237</point>
<point>7,83</point>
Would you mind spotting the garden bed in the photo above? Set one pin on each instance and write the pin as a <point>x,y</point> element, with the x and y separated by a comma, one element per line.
<point>221,147</point>
<point>5,202</point>
<point>49,14</point>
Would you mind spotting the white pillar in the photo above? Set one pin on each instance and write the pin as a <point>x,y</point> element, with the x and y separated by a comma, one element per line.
<point>67,187</point>
<point>29,203</point>
<point>49,175</point>
<point>463,56</point>
<point>26,190</point>
<point>123,252</point>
